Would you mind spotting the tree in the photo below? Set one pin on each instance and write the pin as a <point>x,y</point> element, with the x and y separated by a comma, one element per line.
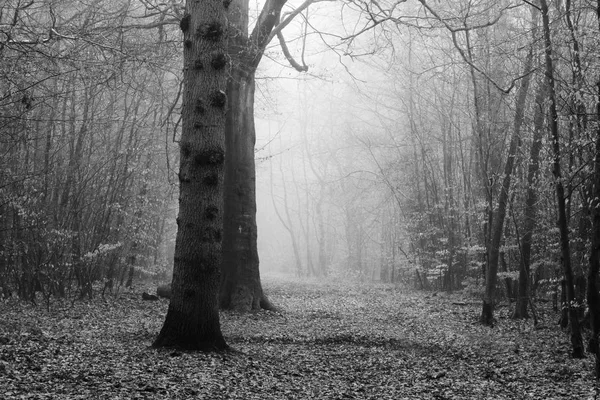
<point>82,135</point>
<point>530,205</point>
<point>594,259</point>
<point>487,313</point>
<point>241,288</point>
<point>593,295</point>
<point>576,341</point>
<point>192,320</point>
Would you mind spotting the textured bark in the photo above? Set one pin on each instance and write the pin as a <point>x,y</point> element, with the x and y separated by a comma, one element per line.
<point>241,288</point>
<point>192,320</point>
<point>576,340</point>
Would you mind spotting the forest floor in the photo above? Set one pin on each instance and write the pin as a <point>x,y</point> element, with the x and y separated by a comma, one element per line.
<point>331,341</point>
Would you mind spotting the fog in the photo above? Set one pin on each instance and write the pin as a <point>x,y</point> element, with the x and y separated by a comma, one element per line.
<point>362,160</point>
<point>383,160</point>
<point>320,194</point>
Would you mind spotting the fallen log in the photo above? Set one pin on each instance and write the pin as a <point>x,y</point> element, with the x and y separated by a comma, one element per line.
<point>147,296</point>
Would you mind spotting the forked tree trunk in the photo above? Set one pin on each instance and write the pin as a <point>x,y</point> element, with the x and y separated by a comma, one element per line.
<point>487,313</point>
<point>192,320</point>
<point>241,288</point>
<point>240,284</point>
<point>576,341</point>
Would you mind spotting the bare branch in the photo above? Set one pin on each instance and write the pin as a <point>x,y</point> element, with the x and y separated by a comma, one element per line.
<point>288,56</point>
<point>532,5</point>
<point>290,17</point>
<point>157,24</point>
<point>453,32</point>
<point>267,20</point>
<point>376,18</point>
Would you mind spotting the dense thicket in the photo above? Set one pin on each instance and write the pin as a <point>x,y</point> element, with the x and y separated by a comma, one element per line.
<point>87,91</point>
<point>468,121</point>
<point>453,177</point>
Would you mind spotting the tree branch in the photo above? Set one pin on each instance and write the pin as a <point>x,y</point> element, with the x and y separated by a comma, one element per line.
<point>288,56</point>
<point>453,32</point>
<point>290,17</point>
<point>267,20</point>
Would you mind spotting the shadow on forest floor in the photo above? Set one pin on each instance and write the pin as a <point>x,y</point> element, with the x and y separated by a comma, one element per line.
<point>332,341</point>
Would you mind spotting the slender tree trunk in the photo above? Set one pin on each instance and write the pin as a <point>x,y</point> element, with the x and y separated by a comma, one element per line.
<point>287,222</point>
<point>304,224</point>
<point>593,296</point>
<point>487,313</point>
<point>530,206</point>
<point>577,130</point>
<point>531,197</point>
<point>192,319</point>
<point>320,231</point>
<point>576,341</point>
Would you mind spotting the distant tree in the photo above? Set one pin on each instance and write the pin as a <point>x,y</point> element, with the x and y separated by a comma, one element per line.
<point>192,320</point>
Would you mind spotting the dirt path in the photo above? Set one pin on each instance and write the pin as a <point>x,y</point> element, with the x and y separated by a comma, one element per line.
<point>332,341</point>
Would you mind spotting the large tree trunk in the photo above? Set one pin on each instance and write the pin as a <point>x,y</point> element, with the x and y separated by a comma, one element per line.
<point>192,320</point>
<point>241,288</point>
<point>240,284</point>
<point>576,340</point>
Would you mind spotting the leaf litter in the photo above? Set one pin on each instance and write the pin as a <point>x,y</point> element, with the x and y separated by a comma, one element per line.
<point>331,340</point>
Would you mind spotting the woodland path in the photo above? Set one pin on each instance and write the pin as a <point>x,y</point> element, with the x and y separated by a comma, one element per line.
<point>332,341</point>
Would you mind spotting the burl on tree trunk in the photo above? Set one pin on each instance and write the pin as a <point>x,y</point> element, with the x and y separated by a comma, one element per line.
<point>192,320</point>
